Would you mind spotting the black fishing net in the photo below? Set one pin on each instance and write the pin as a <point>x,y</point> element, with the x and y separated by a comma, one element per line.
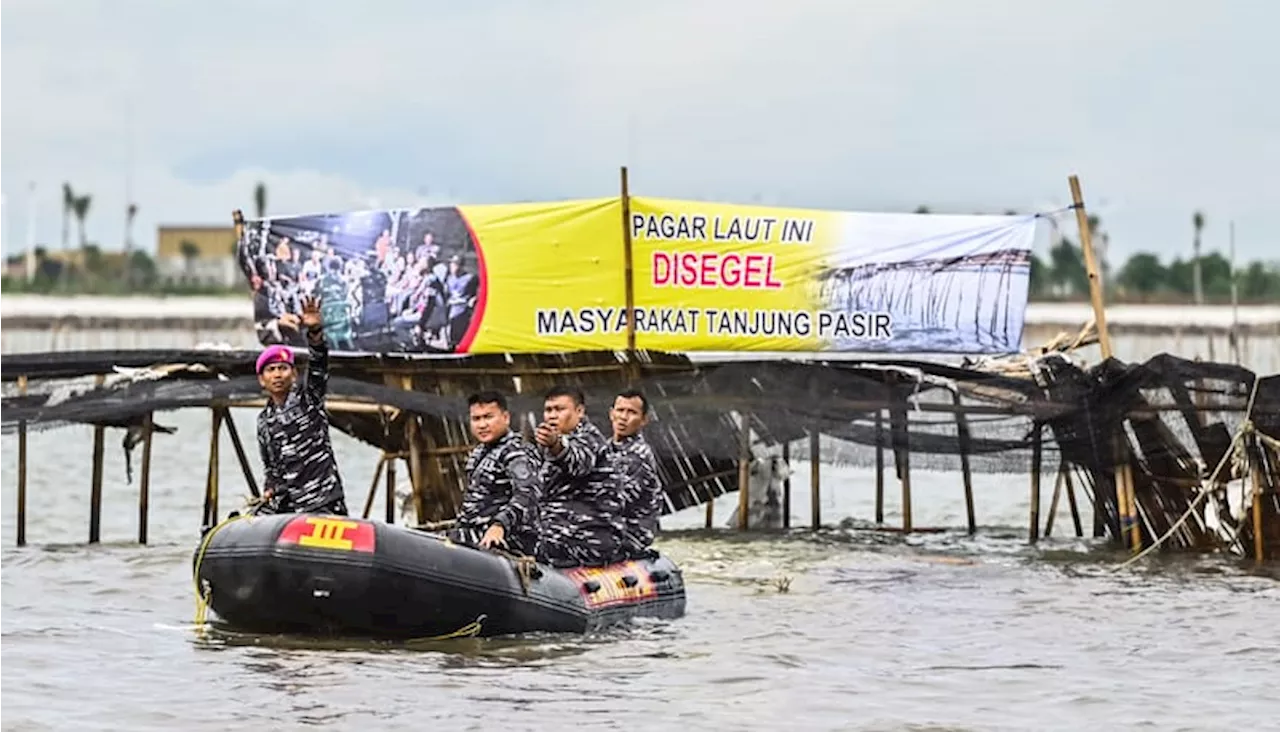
<point>1179,416</point>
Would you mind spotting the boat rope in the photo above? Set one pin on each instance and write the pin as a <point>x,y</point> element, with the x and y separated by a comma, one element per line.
<point>202,598</point>
<point>524,570</point>
<point>1235,454</point>
<point>470,630</point>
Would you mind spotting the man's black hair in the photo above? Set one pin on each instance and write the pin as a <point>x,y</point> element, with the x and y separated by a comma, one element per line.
<point>630,393</point>
<point>573,392</point>
<point>488,397</point>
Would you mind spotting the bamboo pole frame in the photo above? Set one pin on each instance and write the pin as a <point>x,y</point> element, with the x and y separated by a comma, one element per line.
<point>144,481</point>
<point>95,489</point>
<point>1125,498</point>
<point>786,486</point>
<point>966,474</point>
<point>22,470</point>
<point>744,471</point>
<point>815,475</point>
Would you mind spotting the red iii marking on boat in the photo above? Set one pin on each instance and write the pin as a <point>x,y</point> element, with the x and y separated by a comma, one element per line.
<point>329,533</point>
<point>613,580</point>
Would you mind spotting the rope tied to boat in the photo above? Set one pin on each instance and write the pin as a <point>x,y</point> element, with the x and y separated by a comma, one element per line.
<point>470,630</point>
<point>203,597</point>
<point>524,570</point>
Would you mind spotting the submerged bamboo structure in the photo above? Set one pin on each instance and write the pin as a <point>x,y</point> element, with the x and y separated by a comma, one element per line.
<point>1190,431</point>
<point>1155,447</point>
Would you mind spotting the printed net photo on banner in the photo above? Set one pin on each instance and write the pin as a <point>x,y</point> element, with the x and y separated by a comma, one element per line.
<point>464,279</point>
<point>723,277</point>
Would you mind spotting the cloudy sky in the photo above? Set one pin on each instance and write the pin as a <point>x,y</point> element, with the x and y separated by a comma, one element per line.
<point>1161,107</point>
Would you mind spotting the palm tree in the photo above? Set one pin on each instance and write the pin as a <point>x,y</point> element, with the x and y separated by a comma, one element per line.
<point>1197,220</point>
<point>129,214</point>
<point>68,203</point>
<point>81,209</point>
<point>260,199</point>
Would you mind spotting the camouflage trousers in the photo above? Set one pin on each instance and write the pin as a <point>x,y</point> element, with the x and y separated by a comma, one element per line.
<point>575,538</point>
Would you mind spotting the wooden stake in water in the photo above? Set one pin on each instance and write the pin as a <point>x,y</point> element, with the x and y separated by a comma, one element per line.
<point>815,474</point>
<point>144,483</point>
<point>95,489</point>
<point>22,470</point>
<point>879,467</point>
<point>786,486</point>
<point>962,432</point>
<point>1037,448</point>
<point>1125,500</point>
<point>1255,469</point>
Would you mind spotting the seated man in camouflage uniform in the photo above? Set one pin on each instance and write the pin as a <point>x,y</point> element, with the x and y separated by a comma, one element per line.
<point>500,506</point>
<point>582,509</point>
<point>635,473</point>
<point>293,428</point>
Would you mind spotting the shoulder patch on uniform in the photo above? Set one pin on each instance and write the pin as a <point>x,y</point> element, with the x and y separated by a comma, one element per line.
<point>520,468</point>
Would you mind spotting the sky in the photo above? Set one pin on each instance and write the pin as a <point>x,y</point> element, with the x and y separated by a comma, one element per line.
<point>1162,107</point>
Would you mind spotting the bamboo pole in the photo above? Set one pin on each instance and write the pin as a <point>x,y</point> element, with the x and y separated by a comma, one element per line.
<point>744,471</point>
<point>144,484</point>
<point>1255,470</point>
<point>815,474</point>
<point>416,478</point>
<point>241,456</point>
<point>373,488</point>
<point>901,448</point>
<point>1053,503</point>
<point>95,489</point>
<point>786,486</point>
<point>879,467</point>
<point>1125,499</point>
<point>211,477</point>
<point>966,474</point>
<point>1037,449</point>
<point>22,469</point>
<point>629,270</point>
<point>391,479</point>
<point>1071,501</point>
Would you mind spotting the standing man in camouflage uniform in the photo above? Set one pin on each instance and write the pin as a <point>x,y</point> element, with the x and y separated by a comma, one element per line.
<point>293,428</point>
<point>500,506</point>
<point>582,509</point>
<point>635,472</point>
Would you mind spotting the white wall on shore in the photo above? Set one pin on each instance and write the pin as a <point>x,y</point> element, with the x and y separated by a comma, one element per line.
<point>1138,331</point>
<point>26,340</point>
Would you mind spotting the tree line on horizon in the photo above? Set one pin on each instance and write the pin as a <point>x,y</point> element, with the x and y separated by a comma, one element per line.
<point>1144,277</point>
<point>1062,276</point>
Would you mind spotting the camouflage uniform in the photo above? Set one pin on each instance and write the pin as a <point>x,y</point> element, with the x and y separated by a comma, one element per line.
<point>582,513</point>
<point>503,486</point>
<point>635,472</point>
<point>293,439</point>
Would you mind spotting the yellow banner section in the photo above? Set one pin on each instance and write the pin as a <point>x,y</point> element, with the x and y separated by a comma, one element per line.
<point>715,276</point>
<point>552,277</point>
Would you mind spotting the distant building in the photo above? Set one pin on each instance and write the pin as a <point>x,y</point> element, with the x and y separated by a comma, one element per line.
<point>197,255</point>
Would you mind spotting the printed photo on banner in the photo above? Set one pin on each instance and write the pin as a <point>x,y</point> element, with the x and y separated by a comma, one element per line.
<point>389,281</point>
<point>727,277</point>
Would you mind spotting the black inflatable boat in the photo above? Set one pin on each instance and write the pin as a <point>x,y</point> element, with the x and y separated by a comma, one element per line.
<point>300,573</point>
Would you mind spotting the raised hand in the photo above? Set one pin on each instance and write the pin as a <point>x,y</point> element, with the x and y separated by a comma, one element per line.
<point>311,312</point>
